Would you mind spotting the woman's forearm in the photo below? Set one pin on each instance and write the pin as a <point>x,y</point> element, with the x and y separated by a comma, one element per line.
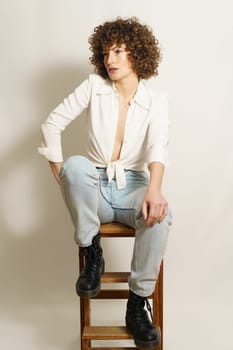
<point>56,167</point>
<point>156,175</point>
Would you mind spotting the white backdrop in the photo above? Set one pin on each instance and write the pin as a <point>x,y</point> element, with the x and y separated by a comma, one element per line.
<point>44,56</point>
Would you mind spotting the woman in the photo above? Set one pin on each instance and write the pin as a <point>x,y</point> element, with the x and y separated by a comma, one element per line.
<point>121,178</point>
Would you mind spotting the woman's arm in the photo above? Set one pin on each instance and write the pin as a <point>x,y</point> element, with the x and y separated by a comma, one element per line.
<point>56,167</point>
<point>154,207</point>
<point>60,118</point>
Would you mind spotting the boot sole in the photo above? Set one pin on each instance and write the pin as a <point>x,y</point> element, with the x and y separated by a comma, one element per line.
<point>145,345</point>
<point>90,293</point>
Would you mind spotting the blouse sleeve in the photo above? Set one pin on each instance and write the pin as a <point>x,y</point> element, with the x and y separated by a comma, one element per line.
<point>59,118</point>
<point>157,142</point>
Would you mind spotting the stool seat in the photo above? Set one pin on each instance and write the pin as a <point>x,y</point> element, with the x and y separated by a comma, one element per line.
<point>90,332</point>
<point>115,229</point>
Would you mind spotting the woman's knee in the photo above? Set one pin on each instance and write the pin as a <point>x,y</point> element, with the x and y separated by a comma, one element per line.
<point>76,164</point>
<point>78,167</point>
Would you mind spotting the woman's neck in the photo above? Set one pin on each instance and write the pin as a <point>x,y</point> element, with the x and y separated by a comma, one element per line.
<point>127,87</point>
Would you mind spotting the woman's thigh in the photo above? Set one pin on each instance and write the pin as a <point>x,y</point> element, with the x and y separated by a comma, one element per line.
<point>105,210</point>
<point>128,203</point>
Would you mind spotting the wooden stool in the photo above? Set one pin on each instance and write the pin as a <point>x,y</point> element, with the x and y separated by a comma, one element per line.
<point>89,332</point>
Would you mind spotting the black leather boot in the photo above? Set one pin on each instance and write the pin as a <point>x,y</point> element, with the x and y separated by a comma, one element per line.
<point>88,283</point>
<point>138,323</point>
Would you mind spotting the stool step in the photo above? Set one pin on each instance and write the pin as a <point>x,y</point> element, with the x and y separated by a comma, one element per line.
<point>113,294</point>
<point>115,277</point>
<point>116,348</point>
<point>105,333</point>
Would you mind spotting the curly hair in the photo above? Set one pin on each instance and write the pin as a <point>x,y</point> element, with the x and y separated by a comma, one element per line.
<point>144,51</point>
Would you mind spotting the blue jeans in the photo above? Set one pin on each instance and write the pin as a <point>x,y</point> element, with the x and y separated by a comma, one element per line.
<point>91,200</point>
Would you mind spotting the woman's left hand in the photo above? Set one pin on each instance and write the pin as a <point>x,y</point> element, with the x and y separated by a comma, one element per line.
<point>154,207</point>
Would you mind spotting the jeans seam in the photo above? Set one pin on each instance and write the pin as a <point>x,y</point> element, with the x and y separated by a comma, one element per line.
<point>101,192</point>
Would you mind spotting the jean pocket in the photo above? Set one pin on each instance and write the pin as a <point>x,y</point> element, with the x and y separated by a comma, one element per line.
<point>104,182</point>
<point>137,177</point>
<point>102,175</point>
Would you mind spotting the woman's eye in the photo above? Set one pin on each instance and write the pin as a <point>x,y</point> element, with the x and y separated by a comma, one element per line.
<point>118,51</point>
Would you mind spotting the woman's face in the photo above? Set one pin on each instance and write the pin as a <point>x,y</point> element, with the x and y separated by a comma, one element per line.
<point>117,62</point>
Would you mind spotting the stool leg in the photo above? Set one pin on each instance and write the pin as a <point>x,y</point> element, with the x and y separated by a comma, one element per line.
<point>84,321</point>
<point>84,309</point>
<point>161,303</point>
<point>158,304</point>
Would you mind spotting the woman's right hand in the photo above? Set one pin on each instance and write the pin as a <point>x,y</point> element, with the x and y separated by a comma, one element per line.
<point>56,167</point>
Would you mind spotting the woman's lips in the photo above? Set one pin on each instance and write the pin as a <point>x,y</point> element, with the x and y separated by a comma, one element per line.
<point>112,70</point>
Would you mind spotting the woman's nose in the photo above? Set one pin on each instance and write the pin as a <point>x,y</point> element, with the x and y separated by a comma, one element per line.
<point>110,58</point>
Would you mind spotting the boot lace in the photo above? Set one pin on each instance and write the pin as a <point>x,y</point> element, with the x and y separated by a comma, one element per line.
<point>92,258</point>
<point>141,314</point>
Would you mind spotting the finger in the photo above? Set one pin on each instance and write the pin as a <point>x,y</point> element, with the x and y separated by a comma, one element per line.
<point>163,213</point>
<point>144,210</point>
<point>152,215</point>
<point>152,220</point>
<point>157,214</point>
<point>58,179</point>
<point>161,218</point>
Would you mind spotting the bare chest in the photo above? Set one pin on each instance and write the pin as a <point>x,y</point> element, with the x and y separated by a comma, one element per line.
<point>120,130</point>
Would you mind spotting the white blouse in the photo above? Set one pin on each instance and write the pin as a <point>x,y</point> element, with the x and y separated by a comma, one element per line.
<point>146,129</point>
